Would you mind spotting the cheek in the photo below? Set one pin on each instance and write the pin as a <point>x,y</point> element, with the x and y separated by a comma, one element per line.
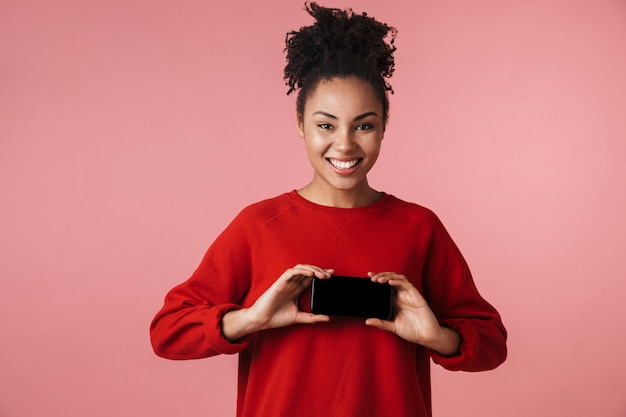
<point>313,148</point>
<point>373,148</point>
<point>315,143</point>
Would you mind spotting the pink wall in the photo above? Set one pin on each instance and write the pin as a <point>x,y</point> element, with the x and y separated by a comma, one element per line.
<point>132,131</point>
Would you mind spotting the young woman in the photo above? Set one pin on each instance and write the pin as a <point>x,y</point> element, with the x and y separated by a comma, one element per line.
<point>251,292</point>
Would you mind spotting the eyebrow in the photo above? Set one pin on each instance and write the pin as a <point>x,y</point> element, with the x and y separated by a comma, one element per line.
<point>359,117</point>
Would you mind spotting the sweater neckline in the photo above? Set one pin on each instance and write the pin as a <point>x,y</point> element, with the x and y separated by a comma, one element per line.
<point>300,201</point>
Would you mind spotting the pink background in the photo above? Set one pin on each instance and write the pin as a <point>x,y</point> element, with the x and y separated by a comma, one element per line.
<point>132,132</point>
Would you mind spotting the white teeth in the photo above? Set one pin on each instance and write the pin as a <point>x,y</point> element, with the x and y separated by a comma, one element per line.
<point>344,164</point>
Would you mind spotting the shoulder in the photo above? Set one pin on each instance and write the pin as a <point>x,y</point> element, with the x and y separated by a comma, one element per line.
<point>263,211</point>
<point>426,222</point>
<point>413,211</point>
<point>269,207</point>
<point>252,219</point>
<point>423,220</point>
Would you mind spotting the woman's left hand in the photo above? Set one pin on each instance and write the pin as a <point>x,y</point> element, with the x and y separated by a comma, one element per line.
<point>413,319</point>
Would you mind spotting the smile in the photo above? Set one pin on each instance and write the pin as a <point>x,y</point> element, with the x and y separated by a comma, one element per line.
<point>344,164</point>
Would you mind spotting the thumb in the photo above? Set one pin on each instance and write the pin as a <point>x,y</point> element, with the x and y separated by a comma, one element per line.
<point>381,324</point>
<point>310,318</point>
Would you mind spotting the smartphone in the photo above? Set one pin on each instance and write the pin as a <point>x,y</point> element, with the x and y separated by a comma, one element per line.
<point>351,296</point>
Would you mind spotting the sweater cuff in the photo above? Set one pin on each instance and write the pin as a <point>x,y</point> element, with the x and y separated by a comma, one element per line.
<point>468,349</point>
<point>214,334</point>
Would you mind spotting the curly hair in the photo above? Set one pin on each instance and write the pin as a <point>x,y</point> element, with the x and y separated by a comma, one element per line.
<point>339,44</point>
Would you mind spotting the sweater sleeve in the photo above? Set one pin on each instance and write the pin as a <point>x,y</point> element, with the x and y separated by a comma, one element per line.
<point>455,300</point>
<point>188,326</point>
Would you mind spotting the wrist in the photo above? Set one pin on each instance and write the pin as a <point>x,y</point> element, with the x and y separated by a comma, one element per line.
<point>447,342</point>
<point>236,324</point>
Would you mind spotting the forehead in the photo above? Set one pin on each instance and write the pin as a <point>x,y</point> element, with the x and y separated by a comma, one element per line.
<point>344,96</point>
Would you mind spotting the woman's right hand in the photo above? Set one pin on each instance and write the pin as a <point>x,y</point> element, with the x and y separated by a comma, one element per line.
<point>277,306</point>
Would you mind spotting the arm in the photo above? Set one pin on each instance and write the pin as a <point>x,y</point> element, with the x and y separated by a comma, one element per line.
<point>414,321</point>
<point>188,324</point>
<point>194,330</point>
<point>456,302</point>
<point>276,307</point>
<point>450,318</point>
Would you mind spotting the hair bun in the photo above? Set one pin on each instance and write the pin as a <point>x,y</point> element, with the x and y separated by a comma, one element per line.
<point>338,35</point>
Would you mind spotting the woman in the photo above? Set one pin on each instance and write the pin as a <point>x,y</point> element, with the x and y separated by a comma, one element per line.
<point>251,292</point>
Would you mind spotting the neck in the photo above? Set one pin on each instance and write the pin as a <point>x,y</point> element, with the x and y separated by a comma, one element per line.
<point>340,198</point>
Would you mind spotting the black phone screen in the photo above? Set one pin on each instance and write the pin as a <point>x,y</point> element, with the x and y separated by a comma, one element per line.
<point>351,296</point>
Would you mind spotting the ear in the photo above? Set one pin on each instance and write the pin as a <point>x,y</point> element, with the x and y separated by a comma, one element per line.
<point>300,124</point>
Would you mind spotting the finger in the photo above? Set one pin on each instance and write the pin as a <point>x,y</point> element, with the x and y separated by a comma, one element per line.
<point>314,270</point>
<point>323,272</point>
<point>299,273</point>
<point>378,276</point>
<point>326,274</point>
<point>407,294</point>
<point>381,324</point>
<point>383,277</point>
<point>310,318</point>
<point>400,283</point>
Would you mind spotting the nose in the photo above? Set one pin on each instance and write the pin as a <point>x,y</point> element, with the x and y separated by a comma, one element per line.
<point>344,140</point>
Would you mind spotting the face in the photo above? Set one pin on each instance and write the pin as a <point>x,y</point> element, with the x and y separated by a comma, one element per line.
<point>343,128</point>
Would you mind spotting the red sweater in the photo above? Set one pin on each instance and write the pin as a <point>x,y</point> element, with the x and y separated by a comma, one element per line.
<point>342,368</point>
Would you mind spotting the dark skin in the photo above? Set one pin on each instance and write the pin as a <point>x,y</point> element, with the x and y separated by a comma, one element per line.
<point>277,307</point>
<point>347,136</point>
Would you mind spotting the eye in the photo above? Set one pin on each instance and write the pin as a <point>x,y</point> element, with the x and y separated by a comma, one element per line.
<point>364,126</point>
<point>325,126</point>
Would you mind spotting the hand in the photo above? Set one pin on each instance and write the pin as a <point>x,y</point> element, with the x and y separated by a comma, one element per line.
<point>414,320</point>
<point>277,306</point>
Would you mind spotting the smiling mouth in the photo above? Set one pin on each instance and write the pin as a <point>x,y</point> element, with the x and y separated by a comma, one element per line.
<point>344,164</point>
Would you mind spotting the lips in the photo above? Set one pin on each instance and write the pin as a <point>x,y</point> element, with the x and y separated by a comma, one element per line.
<point>344,164</point>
